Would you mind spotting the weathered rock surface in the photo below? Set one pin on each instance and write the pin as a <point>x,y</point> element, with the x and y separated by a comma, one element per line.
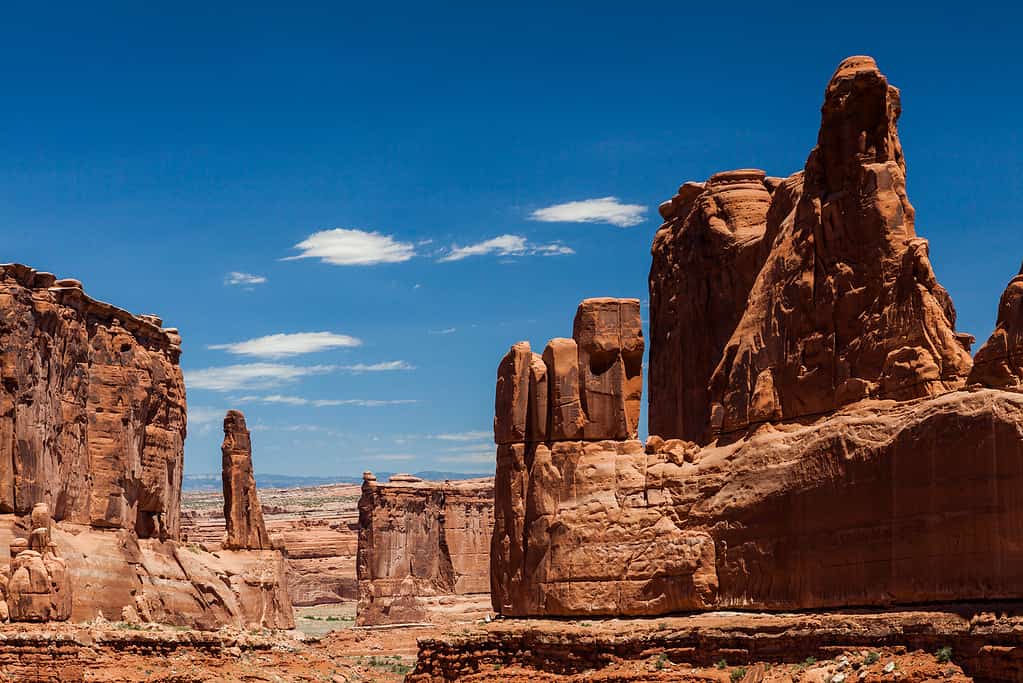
<point>846,305</point>
<point>92,408</point>
<point>420,544</point>
<point>588,387</point>
<point>983,641</point>
<point>873,505</point>
<point>999,362</point>
<point>92,425</point>
<point>37,586</point>
<point>706,256</point>
<point>243,515</point>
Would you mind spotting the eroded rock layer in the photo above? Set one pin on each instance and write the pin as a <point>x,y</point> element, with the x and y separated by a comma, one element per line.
<point>871,647</point>
<point>92,408</point>
<point>243,515</point>
<point>423,545</point>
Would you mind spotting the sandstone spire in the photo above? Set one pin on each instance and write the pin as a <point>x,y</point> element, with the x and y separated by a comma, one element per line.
<point>999,363</point>
<point>242,512</point>
<point>846,305</point>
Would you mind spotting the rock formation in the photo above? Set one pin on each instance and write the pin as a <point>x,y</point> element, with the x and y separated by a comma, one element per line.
<point>846,305</point>
<point>38,585</point>
<point>999,363</point>
<point>92,408</point>
<point>825,434</point>
<point>705,259</point>
<point>242,512</point>
<point>423,549</point>
<point>588,387</point>
<point>92,428</point>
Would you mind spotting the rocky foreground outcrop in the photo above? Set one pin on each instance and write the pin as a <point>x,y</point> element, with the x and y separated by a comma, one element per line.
<point>423,549</point>
<point>92,428</point>
<point>832,455</point>
<point>935,644</point>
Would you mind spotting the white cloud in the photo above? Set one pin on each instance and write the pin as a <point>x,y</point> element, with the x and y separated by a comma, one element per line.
<point>386,366</point>
<point>236,278</point>
<point>600,210</point>
<point>464,436</point>
<point>505,245</point>
<point>446,330</point>
<point>205,418</point>
<point>323,403</point>
<point>345,247</point>
<point>394,456</point>
<point>281,345</point>
<point>250,376</point>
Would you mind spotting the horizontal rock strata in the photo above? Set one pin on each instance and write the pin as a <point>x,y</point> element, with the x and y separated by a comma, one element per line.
<point>984,641</point>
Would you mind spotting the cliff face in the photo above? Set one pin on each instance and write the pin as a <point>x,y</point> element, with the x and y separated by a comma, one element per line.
<point>92,408</point>
<point>706,256</point>
<point>420,542</point>
<point>92,429</point>
<point>833,458</point>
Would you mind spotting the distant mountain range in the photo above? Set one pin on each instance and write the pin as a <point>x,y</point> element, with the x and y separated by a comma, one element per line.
<point>207,482</point>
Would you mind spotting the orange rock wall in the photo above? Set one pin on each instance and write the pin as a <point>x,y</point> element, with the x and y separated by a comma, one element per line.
<point>92,408</point>
<point>420,539</point>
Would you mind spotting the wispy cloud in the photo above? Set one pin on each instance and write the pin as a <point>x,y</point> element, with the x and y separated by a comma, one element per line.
<point>236,278</point>
<point>464,436</point>
<point>446,330</point>
<point>323,403</point>
<point>397,457</point>
<point>482,457</point>
<point>600,210</point>
<point>505,245</point>
<point>205,418</point>
<point>349,247</point>
<point>281,345</point>
<point>386,366</point>
<point>250,376</point>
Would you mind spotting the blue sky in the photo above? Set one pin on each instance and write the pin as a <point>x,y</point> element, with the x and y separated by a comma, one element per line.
<point>153,152</point>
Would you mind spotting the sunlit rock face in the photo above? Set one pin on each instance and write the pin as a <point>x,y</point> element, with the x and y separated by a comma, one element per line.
<point>424,549</point>
<point>92,408</point>
<point>812,444</point>
<point>92,429</point>
<point>243,515</point>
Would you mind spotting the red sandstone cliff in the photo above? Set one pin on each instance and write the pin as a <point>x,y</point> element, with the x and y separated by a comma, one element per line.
<point>842,463</point>
<point>423,549</point>
<point>92,427</point>
<point>92,408</point>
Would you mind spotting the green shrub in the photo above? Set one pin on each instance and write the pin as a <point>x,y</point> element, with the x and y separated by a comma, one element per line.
<point>738,674</point>
<point>871,658</point>
<point>722,664</point>
<point>944,655</point>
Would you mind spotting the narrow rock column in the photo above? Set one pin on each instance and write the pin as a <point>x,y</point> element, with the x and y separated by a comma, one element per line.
<point>242,513</point>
